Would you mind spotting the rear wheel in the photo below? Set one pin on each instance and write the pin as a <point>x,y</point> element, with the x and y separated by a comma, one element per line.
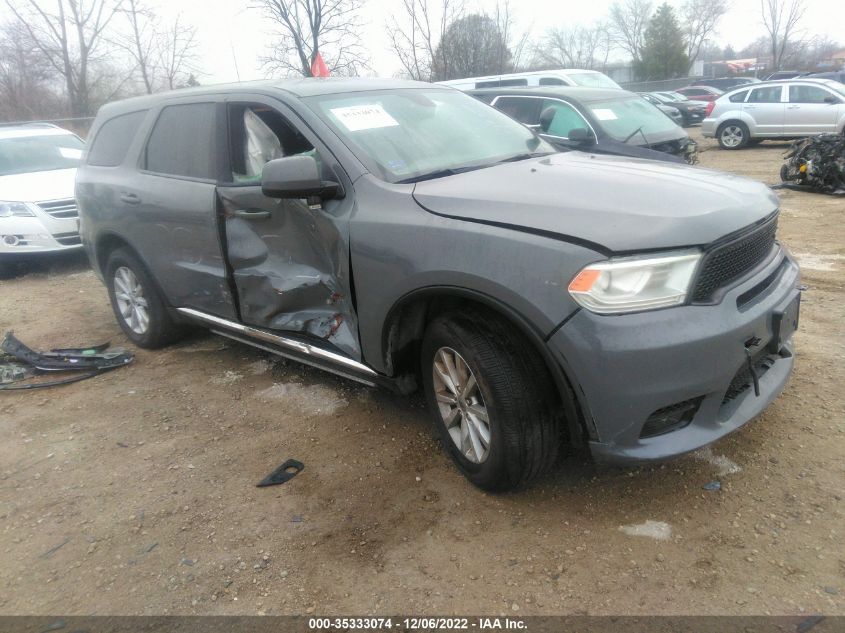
<point>733,135</point>
<point>136,302</point>
<point>491,399</point>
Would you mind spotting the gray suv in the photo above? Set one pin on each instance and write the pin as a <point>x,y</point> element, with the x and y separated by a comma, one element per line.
<point>405,235</point>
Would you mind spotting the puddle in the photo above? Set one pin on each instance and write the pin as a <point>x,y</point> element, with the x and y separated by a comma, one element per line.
<point>652,529</point>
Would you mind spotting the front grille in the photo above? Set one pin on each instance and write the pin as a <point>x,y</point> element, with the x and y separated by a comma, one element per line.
<point>68,239</point>
<point>60,209</point>
<point>729,262</point>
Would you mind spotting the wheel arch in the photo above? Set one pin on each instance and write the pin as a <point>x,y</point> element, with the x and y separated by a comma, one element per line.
<point>405,326</point>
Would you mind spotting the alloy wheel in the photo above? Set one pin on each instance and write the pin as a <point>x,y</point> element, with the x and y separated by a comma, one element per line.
<point>461,405</point>
<point>732,136</point>
<point>129,294</point>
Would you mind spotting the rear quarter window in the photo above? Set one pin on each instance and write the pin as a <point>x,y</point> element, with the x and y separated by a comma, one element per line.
<point>739,97</point>
<point>182,142</point>
<point>114,138</point>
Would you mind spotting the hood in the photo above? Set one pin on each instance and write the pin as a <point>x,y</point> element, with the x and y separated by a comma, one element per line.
<point>56,184</point>
<point>619,204</point>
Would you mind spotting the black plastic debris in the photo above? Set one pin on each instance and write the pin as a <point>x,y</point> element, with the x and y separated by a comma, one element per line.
<point>24,368</point>
<point>287,471</point>
<point>817,164</point>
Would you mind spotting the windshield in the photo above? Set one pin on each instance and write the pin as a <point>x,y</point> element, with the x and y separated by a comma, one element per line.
<point>631,119</point>
<point>27,154</point>
<point>403,135</point>
<point>593,80</point>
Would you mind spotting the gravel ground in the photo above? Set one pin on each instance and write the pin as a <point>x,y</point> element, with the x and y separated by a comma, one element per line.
<point>134,492</point>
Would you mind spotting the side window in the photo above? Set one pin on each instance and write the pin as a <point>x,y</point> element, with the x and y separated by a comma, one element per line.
<point>114,138</point>
<point>552,81</point>
<point>182,142</point>
<point>505,83</point>
<point>769,94</point>
<point>807,94</point>
<point>526,110</point>
<point>564,118</point>
<point>257,135</point>
<point>487,84</point>
<point>739,97</point>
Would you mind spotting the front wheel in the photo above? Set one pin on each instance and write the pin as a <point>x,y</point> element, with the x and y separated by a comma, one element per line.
<point>491,399</point>
<point>733,135</point>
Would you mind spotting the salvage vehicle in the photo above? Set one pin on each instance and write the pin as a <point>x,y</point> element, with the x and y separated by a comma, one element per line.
<point>700,93</point>
<point>776,110</point>
<point>692,111</point>
<point>37,170</point>
<point>403,234</point>
<point>534,78</point>
<point>816,163</point>
<point>595,120</point>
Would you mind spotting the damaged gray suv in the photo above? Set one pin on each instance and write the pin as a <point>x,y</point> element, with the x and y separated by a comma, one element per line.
<point>407,235</point>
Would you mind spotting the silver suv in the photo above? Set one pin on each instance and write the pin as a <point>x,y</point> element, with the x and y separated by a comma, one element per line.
<point>776,109</point>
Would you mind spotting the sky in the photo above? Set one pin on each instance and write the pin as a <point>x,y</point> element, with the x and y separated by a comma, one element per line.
<point>232,37</point>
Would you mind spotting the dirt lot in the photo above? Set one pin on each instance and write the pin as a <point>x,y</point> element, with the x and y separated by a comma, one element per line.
<point>134,493</point>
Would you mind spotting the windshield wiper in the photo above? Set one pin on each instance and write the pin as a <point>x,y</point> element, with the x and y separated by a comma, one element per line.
<point>524,156</point>
<point>639,131</point>
<point>438,173</point>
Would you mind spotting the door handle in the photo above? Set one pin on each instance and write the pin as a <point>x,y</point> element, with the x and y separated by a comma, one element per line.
<point>251,214</point>
<point>130,198</point>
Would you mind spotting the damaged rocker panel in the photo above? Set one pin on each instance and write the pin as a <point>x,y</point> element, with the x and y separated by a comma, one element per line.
<point>231,329</point>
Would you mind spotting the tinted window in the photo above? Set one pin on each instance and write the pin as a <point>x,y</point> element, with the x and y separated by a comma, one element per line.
<point>114,138</point>
<point>807,94</point>
<point>770,94</point>
<point>565,118</point>
<point>551,81</point>
<point>524,109</point>
<point>739,97</point>
<point>513,82</point>
<point>182,141</point>
<point>488,84</point>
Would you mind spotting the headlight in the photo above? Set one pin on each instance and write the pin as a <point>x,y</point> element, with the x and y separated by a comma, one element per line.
<point>19,209</point>
<point>630,284</point>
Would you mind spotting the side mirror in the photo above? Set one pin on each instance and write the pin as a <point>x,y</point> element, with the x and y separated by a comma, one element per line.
<point>296,177</point>
<point>582,136</point>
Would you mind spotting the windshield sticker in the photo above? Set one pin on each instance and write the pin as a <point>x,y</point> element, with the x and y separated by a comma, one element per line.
<point>605,114</point>
<point>364,117</point>
<point>70,152</point>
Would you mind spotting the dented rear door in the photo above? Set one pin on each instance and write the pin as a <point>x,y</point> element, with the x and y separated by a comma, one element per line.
<point>288,261</point>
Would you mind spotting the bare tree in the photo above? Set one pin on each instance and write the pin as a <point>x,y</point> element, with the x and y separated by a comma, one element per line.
<point>516,44</point>
<point>781,19</point>
<point>628,22</point>
<point>68,33</point>
<point>415,35</point>
<point>574,47</point>
<point>699,19</point>
<point>25,76</point>
<point>164,55</point>
<point>308,27</point>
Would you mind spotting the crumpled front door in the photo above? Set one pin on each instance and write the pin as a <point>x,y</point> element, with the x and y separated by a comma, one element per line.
<point>290,265</point>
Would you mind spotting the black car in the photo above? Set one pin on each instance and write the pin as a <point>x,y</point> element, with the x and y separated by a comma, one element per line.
<point>725,83</point>
<point>597,120</point>
<point>691,111</point>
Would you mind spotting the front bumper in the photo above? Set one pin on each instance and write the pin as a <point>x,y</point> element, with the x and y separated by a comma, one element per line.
<point>21,236</point>
<point>629,367</point>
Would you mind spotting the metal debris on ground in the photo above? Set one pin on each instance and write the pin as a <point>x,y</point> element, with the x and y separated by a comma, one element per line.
<point>290,469</point>
<point>817,164</point>
<point>24,368</point>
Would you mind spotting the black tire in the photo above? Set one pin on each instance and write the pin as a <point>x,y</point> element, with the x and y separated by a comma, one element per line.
<point>525,431</point>
<point>160,329</point>
<point>733,135</point>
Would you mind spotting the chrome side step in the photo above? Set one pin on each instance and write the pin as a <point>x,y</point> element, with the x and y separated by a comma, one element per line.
<point>300,351</point>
